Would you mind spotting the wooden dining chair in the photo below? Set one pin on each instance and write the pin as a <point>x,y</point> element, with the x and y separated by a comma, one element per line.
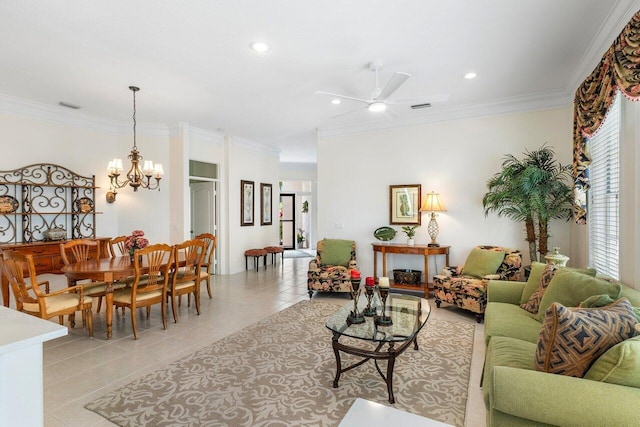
<point>30,298</point>
<point>185,276</point>
<point>206,267</point>
<point>116,247</point>
<point>150,287</point>
<point>79,250</point>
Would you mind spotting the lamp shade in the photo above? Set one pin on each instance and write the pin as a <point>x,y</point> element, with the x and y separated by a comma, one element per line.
<point>432,203</point>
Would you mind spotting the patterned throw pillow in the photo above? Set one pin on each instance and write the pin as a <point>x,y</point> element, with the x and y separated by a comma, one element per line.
<point>572,339</point>
<point>533,303</point>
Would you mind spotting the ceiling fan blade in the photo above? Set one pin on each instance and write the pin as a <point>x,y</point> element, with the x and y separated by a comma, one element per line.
<point>348,112</point>
<point>427,99</point>
<point>321,92</point>
<point>396,81</point>
<point>393,113</point>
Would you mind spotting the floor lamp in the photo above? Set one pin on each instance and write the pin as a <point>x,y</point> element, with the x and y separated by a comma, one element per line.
<point>433,204</point>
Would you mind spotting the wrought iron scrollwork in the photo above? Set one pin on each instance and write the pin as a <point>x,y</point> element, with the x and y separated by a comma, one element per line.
<point>48,197</point>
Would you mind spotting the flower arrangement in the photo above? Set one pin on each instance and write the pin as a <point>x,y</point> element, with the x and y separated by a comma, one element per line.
<point>135,241</point>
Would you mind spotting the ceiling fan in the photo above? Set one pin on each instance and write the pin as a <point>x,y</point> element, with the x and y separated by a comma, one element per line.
<point>379,99</point>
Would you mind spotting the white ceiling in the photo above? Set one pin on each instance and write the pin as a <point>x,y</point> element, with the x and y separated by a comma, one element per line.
<point>192,62</point>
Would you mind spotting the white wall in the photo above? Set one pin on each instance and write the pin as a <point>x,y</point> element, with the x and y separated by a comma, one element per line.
<point>454,158</point>
<point>246,163</point>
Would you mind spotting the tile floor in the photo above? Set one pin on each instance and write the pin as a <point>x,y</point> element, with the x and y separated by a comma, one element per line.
<point>78,369</point>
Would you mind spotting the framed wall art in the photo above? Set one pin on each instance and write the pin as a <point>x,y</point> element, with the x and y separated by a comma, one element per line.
<point>246,202</point>
<point>404,204</point>
<point>265,204</point>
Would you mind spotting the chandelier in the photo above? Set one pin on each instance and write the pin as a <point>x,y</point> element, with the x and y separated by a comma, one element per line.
<point>137,176</point>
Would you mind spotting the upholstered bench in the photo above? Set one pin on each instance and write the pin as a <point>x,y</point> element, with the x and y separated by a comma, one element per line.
<point>274,251</point>
<point>256,254</point>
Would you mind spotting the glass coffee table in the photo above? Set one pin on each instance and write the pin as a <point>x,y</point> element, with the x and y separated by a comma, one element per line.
<point>408,315</point>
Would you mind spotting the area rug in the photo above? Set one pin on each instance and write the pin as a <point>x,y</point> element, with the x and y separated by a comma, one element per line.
<point>279,372</point>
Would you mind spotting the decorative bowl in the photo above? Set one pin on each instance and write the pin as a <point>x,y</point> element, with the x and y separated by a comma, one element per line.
<point>56,233</point>
<point>384,234</point>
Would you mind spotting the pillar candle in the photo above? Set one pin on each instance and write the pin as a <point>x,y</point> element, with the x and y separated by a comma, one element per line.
<point>369,281</point>
<point>383,282</point>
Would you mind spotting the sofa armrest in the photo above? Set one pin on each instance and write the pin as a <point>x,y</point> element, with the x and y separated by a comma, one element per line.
<point>504,291</point>
<point>561,400</point>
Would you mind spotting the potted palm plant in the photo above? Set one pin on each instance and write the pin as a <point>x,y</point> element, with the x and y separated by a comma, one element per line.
<point>533,190</point>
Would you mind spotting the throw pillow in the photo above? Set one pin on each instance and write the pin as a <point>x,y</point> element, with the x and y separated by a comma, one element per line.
<point>482,262</point>
<point>572,339</point>
<point>534,278</point>
<point>532,281</point>
<point>336,252</point>
<point>619,365</point>
<point>533,303</point>
<point>570,288</point>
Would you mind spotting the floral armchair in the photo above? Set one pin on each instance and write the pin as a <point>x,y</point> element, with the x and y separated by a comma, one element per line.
<point>466,286</point>
<point>330,270</point>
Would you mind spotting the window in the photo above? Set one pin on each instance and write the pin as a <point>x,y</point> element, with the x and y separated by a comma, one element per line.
<point>603,196</point>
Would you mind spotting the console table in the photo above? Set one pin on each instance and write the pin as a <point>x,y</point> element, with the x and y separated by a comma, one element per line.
<point>394,248</point>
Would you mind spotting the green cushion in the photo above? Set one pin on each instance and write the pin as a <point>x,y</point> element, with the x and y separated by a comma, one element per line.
<point>509,320</point>
<point>336,252</point>
<point>570,288</point>
<point>505,351</point>
<point>482,262</point>
<point>536,272</point>
<point>619,365</point>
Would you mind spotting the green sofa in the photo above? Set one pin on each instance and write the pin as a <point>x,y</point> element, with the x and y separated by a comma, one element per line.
<point>515,394</point>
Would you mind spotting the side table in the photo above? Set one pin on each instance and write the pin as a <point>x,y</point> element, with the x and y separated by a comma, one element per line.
<point>424,250</point>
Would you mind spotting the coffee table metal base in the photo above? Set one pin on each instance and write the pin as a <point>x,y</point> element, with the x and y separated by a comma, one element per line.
<point>378,354</point>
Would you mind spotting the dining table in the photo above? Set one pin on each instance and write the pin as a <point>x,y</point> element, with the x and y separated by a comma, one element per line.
<point>108,270</point>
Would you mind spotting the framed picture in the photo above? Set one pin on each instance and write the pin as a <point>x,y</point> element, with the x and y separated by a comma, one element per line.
<point>265,204</point>
<point>246,202</point>
<point>404,204</point>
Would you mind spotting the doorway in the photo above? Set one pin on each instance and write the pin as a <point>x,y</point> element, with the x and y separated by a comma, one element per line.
<point>204,208</point>
<point>287,220</point>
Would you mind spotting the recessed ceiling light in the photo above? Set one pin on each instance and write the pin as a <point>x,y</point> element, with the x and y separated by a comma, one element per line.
<point>260,47</point>
<point>470,76</point>
<point>335,101</point>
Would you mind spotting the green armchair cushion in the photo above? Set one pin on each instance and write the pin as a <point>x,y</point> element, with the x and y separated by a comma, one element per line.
<point>619,365</point>
<point>337,252</point>
<point>570,288</point>
<point>572,339</point>
<point>481,262</point>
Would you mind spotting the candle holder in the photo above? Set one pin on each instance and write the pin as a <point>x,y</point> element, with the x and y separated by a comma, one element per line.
<point>355,317</point>
<point>369,310</point>
<point>383,319</point>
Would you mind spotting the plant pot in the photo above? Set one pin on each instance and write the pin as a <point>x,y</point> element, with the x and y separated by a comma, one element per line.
<point>411,242</point>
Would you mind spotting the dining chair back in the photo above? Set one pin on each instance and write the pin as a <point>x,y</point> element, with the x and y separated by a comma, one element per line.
<point>116,246</point>
<point>185,277</point>
<point>206,267</point>
<point>79,250</point>
<point>32,300</point>
<point>152,267</point>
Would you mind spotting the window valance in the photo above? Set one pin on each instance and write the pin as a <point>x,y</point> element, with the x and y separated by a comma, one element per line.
<point>619,69</point>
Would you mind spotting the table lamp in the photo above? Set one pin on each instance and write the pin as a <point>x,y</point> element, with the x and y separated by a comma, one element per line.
<point>433,204</point>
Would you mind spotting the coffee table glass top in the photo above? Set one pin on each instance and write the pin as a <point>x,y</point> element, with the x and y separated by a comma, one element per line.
<point>408,314</point>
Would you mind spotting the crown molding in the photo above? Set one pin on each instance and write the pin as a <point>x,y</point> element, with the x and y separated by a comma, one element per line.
<point>618,18</point>
<point>254,146</point>
<point>518,104</point>
<point>63,116</point>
